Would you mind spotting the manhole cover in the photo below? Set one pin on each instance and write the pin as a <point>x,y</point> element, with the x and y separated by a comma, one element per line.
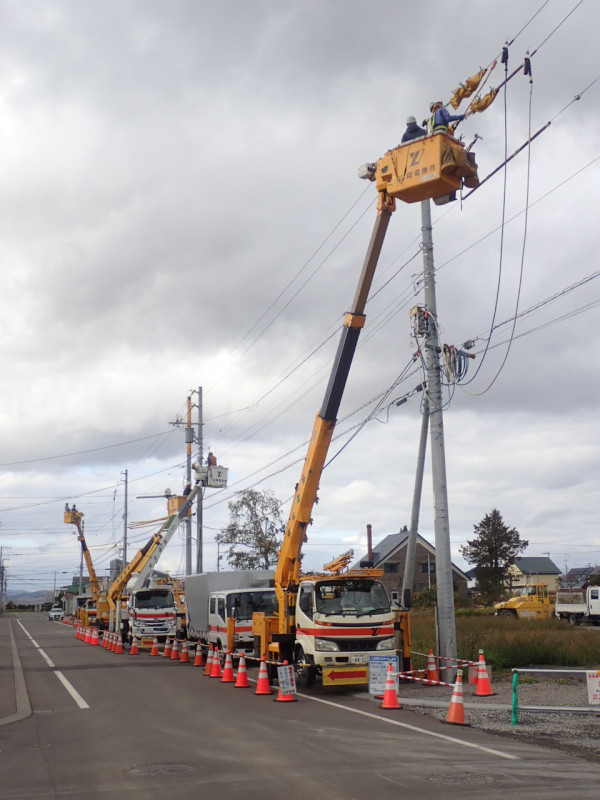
<point>461,777</point>
<point>161,769</point>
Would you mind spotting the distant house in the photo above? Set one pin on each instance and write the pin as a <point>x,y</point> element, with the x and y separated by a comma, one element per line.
<point>390,555</point>
<point>580,577</point>
<point>529,570</point>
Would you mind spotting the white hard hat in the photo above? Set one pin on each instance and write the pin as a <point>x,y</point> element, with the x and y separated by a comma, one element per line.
<point>410,119</point>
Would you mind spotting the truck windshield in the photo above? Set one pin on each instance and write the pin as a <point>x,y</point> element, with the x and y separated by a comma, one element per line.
<point>351,597</point>
<point>154,598</point>
<point>241,605</point>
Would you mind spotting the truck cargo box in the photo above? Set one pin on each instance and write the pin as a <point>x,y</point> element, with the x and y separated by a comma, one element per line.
<point>199,587</point>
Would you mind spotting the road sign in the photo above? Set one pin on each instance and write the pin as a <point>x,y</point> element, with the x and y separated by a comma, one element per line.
<point>378,670</point>
<point>593,687</point>
<point>338,676</point>
<point>287,679</point>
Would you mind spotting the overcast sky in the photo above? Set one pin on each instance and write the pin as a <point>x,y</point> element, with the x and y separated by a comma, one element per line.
<point>180,207</point>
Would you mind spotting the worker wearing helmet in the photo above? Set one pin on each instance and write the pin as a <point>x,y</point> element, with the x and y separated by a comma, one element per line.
<point>412,130</point>
<point>440,118</point>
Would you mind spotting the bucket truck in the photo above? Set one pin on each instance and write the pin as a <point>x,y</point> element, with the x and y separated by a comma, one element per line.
<point>329,624</point>
<point>151,610</point>
<point>94,611</point>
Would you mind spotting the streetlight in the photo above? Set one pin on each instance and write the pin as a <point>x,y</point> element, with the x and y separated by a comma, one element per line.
<point>57,572</point>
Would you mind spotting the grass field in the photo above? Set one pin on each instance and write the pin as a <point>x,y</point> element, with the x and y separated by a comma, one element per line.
<point>509,643</point>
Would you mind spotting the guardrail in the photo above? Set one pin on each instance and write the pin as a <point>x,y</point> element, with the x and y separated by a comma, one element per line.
<point>547,709</point>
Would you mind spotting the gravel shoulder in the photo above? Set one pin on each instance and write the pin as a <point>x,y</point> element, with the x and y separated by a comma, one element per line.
<point>572,732</point>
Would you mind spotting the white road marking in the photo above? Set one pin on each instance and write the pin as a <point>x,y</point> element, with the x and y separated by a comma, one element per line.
<point>68,686</point>
<point>413,728</point>
<point>71,689</point>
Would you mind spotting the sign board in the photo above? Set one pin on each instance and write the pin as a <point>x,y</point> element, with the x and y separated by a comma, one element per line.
<point>378,670</point>
<point>287,679</point>
<point>217,477</point>
<point>593,687</point>
<point>355,675</point>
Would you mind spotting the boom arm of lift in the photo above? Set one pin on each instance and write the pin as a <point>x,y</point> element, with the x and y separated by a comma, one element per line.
<point>287,574</point>
<point>144,560</point>
<point>75,518</point>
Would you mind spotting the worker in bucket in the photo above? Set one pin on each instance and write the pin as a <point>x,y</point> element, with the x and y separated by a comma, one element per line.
<point>440,118</point>
<point>413,131</point>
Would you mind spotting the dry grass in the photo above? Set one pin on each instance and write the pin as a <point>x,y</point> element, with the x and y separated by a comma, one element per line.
<point>509,643</point>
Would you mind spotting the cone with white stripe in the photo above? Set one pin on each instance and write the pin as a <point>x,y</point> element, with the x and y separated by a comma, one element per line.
<point>199,659</point>
<point>227,676</point>
<point>134,649</point>
<point>484,688</point>
<point>216,671</point>
<point>262,685</point>
<point>209,661</point>
<point>390,696</point>
<point>456,711</point>
<point>432,670</point>
<point>154,651</point>
<point>241,679</point>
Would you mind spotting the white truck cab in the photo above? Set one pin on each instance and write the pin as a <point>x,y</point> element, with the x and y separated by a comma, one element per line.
<point>238,604</point>
<point>341,622</point>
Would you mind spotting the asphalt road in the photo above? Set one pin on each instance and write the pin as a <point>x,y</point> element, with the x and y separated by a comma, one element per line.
<point>81,722</point>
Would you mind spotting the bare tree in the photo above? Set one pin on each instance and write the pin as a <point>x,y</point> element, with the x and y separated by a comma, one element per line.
<point>254,531</point>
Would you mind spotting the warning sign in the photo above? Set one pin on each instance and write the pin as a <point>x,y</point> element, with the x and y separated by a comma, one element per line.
<point>340,676</point>
<point>286,679</point>
<point>378,669</point>
<point>593,687</point>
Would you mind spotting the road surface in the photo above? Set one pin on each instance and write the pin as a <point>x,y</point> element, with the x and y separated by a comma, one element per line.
<point>78,721</point>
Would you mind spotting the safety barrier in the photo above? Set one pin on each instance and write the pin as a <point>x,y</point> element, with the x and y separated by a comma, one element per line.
<point>547,709</point>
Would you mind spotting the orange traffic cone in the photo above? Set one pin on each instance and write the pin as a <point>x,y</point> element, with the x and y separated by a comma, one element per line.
<point>483,682</point>
<point>209,662</point>
<point>456,711</point>
<point>88,636</point>
<point>199,659</point>
<point>216,665</point>
<point>390,696</point>
<point>95,640</point>
<point>432,670</point>
<point>285,698</point>
<point>134,649</point>
<point>113,642</point>
<point>175,650</point>
<point>228,670</point>
<point>119,647</point>
<point>185,654</point>
<point>154,651</point>
<point>262,685</point>
<point>241,679</point>
<point>167,650</point>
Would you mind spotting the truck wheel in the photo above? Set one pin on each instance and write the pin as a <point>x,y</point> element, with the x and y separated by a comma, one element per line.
<point>304,672</point>
<point>574,619</point>
<point>506,613</point>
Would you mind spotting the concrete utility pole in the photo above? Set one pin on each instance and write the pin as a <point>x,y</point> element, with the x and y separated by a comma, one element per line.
<point>200,495</point>
<point>189,438</point>
<point>125,523</point>
<point>411,546</point>
<point>445,592</point>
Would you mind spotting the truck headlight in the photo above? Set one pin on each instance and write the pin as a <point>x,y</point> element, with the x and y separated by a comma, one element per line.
<point>387,644</point>
<point>326,645</point>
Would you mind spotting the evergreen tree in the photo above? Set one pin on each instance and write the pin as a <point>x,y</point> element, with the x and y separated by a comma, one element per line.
<point>492,551</point>
<point>254,531</point>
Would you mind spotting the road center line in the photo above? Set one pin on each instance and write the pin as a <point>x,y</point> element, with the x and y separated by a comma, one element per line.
<point>413,728</point>
<point>68,686</point>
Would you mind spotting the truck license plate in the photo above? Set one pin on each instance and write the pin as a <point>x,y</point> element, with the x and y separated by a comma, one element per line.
<point>356,658</point>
